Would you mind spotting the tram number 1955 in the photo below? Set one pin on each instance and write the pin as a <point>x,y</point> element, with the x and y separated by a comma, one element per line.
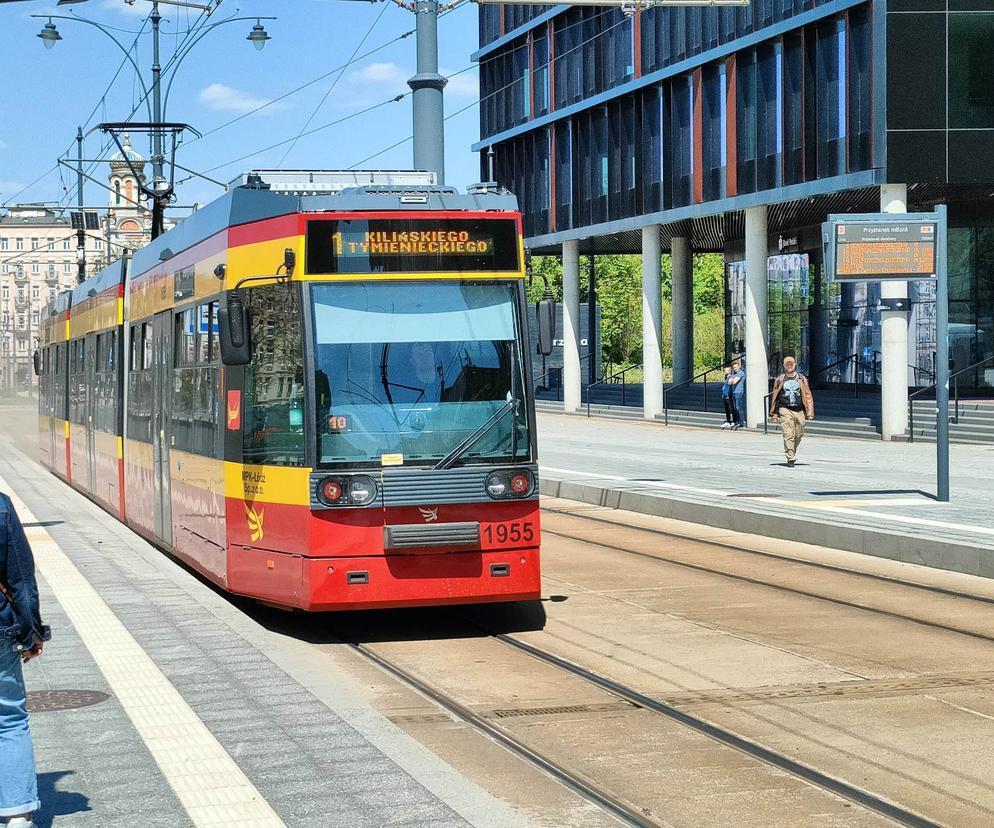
<point>513,532</point>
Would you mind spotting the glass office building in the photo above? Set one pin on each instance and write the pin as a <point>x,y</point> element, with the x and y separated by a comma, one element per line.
<point>684,117</point>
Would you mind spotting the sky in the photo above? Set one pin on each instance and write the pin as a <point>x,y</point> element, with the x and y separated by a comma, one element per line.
<point>46,93</point>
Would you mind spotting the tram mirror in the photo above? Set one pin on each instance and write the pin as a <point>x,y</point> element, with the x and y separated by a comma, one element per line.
<point>233,331</point>
<point>546,310</point>
<point>36,362</point>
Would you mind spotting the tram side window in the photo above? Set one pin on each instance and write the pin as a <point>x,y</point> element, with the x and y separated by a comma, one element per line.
<point>77,382</point>
<point>60,382</point>
<point>195,379</point>
<point>273,420</point>
<point>140,384</point>
<point>105,383</point>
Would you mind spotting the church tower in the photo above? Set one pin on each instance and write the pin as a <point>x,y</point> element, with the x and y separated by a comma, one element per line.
<point>128,223</point>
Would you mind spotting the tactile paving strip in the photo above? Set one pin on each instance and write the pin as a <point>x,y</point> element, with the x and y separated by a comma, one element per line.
<point>206,780</point>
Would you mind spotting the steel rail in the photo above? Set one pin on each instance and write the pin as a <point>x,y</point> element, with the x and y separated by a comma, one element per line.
<point>887,579</point>
<point>841,602</point>
<point>618,809</point>
<point>841,788</point>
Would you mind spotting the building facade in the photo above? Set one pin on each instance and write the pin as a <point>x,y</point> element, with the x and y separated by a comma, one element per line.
<point>39,259</point>
<point>738,130</point>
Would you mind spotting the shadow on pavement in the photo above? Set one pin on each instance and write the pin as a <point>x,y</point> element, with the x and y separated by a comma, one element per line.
<point>417,624</point>
<point>55,802</point>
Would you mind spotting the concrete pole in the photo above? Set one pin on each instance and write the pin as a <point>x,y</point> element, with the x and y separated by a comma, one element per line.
<point>652,323</point>
<point>571,325</point>
<point>894,337</point>
<point>427,84</point>
<point>683,309</point>
<point>756,321</point>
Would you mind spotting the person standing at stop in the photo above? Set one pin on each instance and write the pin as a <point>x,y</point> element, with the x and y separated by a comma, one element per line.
<point>791,404</point>
<point>21,639</point>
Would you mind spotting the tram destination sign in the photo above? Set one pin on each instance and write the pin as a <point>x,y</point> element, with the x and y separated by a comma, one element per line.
<point>404,245</point>
<point>879,251</point>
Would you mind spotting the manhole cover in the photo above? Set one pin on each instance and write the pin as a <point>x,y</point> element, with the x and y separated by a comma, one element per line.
<point>43,701</point>
<point>753,494</point>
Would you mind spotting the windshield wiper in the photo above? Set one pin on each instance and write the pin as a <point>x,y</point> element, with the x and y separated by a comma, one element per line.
<point>473,438</point>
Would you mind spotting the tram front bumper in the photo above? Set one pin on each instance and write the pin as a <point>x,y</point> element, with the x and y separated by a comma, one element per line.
<point>414,580</point>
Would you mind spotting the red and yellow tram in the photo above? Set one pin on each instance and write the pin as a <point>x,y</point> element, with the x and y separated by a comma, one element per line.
<point>321,402</point>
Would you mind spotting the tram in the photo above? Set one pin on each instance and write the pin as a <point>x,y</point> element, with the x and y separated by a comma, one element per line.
<point>322,402</point>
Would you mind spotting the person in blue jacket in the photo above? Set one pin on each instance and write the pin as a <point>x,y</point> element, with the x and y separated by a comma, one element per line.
<point>738,383</point>
<point>22,637</point>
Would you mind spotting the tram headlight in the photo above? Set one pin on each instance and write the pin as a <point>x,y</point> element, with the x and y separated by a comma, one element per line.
<point>510,483</point>
<point>496,485</point>
<point>346,491</point>
<point>362,490</point>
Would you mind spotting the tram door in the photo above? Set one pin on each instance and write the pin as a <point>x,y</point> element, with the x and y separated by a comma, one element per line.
<point>90,368</point>
<point>162,393</point>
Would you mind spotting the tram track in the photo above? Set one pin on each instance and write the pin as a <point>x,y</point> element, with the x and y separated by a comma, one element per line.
<point>804,593</point>
<point>625,813</point>
<point>576,782</point>
<point>842,570</point>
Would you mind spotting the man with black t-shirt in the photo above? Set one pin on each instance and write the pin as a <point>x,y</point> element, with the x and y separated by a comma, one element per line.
<point>791,404</point>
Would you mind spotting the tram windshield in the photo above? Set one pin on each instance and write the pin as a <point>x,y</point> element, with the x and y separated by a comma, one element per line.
<point>413,369</point>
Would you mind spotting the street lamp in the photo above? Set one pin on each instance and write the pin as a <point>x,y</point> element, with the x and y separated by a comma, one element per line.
<point>161,190</point>
<point>258,36</point>
<point>49,34</point>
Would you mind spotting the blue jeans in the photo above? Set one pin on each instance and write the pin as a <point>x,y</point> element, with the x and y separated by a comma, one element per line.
<point>739,401</point>
<point>18,777</point>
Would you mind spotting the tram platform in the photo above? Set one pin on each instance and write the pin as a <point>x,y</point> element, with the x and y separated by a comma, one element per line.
<point>860,496</point>
<point>159,702</point>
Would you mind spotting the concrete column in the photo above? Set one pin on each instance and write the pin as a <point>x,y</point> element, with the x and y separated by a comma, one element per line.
<point>756,321</point>
<point>894,336</point>
<point>683,309</point>
<point>571,325</point>
<point>652,323</point>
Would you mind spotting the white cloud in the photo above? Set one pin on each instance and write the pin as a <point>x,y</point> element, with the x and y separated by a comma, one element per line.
<point>379,73</point>
<point>228,99</point>
<point>463,85</point>
<point>3,144</point>
<point>137,9</point>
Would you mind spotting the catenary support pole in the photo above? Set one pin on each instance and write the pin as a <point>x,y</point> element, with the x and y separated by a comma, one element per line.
<point>158,177</point>
<point>894,337</point>
<point>756,321</point>
<point>593,334</point>
<point>81,230</point>
<point>652,352</point>
<point>571,325</point>
<point>942,356</point>
<point>683,309</point>
<point>427,86</point>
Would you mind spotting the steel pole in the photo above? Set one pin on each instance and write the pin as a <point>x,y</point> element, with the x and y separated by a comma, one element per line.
<point>81,230</point>
<point>158,178</point>
<point>942,357</point>
<point>427,86</point>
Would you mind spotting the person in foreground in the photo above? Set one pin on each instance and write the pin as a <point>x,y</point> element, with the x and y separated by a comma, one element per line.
<point>791,404</point>
<point>22,636</point>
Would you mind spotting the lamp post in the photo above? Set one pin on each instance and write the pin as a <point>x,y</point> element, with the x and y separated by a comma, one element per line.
<point>161,190</point>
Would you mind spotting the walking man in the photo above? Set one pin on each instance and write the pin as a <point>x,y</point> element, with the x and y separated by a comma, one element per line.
<point>791,404</point>
<point>21,637</point>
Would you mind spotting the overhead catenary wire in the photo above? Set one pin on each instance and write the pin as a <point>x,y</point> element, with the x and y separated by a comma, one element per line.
<point>492,94</point>
<point>334,83</point>
<point>401,97</point>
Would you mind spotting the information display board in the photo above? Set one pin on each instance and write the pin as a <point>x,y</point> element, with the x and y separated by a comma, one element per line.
<point>877,251</point>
